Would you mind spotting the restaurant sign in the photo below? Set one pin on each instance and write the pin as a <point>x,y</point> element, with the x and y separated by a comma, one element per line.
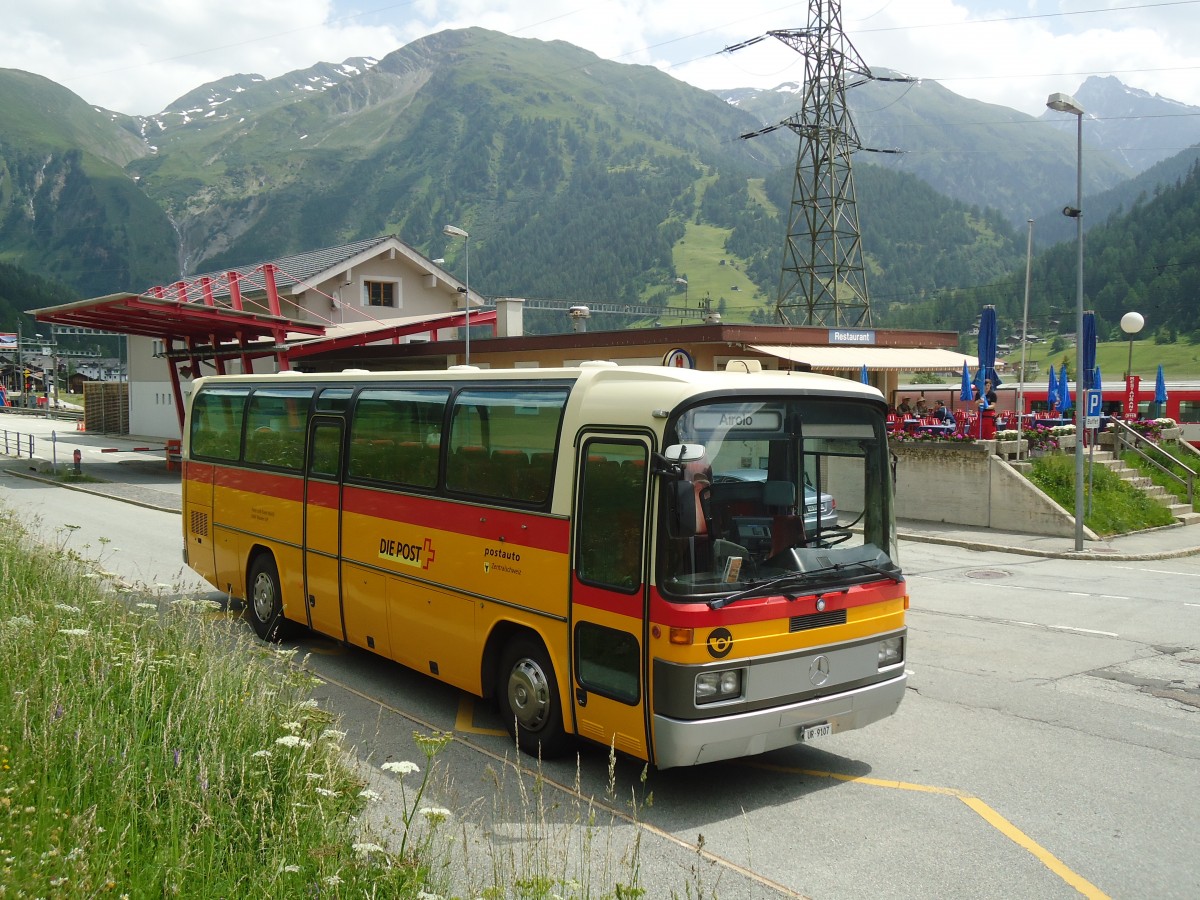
<point>853,337</point>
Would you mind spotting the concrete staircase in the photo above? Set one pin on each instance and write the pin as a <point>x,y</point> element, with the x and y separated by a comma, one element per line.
<point>1183,513</point>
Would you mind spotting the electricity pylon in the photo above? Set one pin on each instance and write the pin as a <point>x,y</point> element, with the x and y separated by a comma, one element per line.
<point>823,280</point>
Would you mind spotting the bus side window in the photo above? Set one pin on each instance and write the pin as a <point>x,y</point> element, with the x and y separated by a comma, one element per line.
<point>502,443</point>
<point>395,434</point>
<point>276,422</point>
<point>217,415</point>
<point>611,516</point>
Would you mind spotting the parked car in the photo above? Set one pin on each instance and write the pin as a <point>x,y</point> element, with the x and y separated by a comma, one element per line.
<point>815,504</point>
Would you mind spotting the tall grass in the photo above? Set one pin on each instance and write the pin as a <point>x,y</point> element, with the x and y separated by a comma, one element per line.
<point>152,747</point>
<point>146,751</point>
<point>1112,506</point>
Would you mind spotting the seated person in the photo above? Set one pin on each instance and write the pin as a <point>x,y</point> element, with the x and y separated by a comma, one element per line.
<point>920,408</point>
<point>942,412</point>
<point>905,408</point>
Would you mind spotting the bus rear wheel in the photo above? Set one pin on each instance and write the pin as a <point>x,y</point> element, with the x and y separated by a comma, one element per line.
<point>265,601</point>
<point>528,696</point>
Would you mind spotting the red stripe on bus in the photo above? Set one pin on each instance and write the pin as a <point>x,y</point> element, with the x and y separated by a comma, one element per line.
<point>259,481</point>
<point>527,529</point>
<point>698,615</point>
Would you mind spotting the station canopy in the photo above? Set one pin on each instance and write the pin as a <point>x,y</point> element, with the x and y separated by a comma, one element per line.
<point>900,359</point>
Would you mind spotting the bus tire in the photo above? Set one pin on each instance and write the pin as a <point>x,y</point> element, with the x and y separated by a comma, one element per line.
<point>264,603</point>
<point>528,698</point>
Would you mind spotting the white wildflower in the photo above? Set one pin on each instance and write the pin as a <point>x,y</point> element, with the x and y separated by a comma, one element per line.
<point>308,704</point>
<point>326,792</point>
<point>261,754</point>
<point>364,849</point>
<point>332,880</point>
<point>290,740</point>
<point>75,632</point>
<point>292,726</point>
<point>332,734</point>
<point>435,815</point>
<point>67,608</point>
<point>369,795</point>
<point>401,768</point>
<point>290,868</point>
<point>147,606</point>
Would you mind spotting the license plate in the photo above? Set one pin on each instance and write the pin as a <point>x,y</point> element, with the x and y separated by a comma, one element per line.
<point>818,731</point>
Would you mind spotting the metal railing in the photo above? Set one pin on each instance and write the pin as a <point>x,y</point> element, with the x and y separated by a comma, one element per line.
<point>1126,437</point>
<point>17,444</point>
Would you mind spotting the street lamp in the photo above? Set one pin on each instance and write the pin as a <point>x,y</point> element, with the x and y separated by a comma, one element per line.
<point>1066,103</point>
<point>684,282</point>
<point>455,231</point>
<point>1131,324</point>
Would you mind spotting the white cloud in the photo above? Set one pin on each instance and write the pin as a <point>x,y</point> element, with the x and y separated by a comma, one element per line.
<point>136,56</point>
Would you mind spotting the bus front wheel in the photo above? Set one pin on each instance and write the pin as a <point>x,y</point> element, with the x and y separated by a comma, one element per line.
<point>265,606</point>
<point>528,695</point>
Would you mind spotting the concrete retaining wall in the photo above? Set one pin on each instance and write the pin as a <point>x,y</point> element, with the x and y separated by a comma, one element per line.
<point>966,484</point>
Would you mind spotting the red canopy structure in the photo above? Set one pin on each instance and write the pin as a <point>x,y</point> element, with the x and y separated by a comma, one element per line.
<point>208,321</point>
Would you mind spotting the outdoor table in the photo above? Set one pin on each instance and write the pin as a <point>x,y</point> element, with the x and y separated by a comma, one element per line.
<point>944,428</point>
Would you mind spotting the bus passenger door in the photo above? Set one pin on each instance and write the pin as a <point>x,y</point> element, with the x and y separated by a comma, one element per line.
<point>323,526</point>
<point>608,592</point>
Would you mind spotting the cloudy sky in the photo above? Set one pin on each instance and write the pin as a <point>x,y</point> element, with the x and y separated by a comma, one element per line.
<point>136,56</point>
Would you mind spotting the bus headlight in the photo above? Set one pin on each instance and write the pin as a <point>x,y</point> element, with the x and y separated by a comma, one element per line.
<point>712,687</point>
<point>891,652</point>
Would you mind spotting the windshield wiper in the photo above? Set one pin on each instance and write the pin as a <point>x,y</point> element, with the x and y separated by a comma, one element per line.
<point>721,602</point>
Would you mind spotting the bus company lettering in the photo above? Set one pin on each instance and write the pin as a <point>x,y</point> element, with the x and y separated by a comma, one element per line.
<point>419,556</point>
<point>494,559</point>
<point>497,553</point>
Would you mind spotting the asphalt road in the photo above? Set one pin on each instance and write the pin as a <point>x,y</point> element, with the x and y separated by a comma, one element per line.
<point>1048,745</point>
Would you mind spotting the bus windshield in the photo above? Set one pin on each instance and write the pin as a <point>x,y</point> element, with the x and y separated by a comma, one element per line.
<point>771,489</point>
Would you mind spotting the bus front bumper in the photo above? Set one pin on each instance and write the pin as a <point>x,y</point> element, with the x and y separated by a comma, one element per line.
<point>687,743</point>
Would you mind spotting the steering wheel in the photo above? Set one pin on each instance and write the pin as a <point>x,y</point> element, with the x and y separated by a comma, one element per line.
<point>835,536</point>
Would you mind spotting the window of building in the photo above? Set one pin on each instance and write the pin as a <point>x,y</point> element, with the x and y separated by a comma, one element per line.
<point>381,293</point>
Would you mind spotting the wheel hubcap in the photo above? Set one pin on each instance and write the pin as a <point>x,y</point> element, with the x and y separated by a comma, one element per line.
<point>264,598</point>
<point>529,694</point>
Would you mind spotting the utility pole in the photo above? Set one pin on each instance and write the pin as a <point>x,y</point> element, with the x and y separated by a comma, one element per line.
<point>823,280</point>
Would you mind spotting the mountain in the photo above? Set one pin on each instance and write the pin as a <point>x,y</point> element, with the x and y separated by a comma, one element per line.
<point>1132,125</point>
<point>982,154</point>
<point>67,207</point>
<point>577,178</point>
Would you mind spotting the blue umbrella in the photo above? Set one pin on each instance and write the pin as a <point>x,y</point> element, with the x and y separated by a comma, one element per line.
<point>1098,381</point>
<point>1052,389</point>
<point>1160,388</point>
<point>965,393</point>
<point>862,376</point>
<point>1064,390</point>
<point>987,349</point>
<point>1089,350</point>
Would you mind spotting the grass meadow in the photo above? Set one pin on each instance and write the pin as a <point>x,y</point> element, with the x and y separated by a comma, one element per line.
<point>150,746</point>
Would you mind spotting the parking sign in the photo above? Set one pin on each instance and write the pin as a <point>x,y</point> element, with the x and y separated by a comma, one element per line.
<point>1094,400</point>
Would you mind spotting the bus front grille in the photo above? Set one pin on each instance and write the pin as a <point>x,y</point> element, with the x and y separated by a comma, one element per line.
<point>817,620</point>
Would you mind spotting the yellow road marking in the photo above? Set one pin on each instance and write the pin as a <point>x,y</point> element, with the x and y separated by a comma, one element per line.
<point>465,720</point>
<point>985,812</point>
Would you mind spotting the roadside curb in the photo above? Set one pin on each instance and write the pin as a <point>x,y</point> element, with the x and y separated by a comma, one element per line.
<point>94,488</point>
<point>1097,554</point>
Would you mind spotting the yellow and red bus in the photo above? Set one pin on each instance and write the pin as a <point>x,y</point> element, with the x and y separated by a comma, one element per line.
<point>689,566</point>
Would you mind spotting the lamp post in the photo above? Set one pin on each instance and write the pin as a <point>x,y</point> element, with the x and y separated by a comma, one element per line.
<point>684,282</point>
<point>1024,339</point>
<point>455,231</point>
<point>1131,324</point>
<point>1066,103</point>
